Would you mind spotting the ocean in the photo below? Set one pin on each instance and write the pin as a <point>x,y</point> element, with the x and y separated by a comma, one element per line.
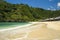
<point>4,25</point>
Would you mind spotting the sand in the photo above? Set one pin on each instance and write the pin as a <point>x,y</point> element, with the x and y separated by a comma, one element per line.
<point>35,31</point>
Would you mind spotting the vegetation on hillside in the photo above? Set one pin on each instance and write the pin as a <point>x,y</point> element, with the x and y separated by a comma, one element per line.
<point>24,13</point>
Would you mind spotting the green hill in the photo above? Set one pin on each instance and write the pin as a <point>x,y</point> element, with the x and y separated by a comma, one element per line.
<point>24,13</point>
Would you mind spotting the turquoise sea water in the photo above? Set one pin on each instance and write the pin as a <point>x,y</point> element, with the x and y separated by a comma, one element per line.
<point>4,25</point>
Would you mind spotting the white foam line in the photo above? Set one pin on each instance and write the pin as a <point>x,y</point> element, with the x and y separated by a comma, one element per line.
<point>18,26</point>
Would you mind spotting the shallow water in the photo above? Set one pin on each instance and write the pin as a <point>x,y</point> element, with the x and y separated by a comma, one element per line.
<point>4,25</point>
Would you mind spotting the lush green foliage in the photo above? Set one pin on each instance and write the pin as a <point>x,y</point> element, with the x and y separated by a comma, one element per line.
<point>23,12</point>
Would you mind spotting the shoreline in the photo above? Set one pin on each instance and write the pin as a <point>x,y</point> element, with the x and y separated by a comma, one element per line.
<point>34,30</point>
<point>24,26</point>
<point>31,23</point>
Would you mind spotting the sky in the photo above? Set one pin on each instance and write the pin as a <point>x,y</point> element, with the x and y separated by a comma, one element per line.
<point>45,4</point>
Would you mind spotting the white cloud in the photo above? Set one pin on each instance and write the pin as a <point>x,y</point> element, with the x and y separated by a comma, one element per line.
<point>58,4</point>
<point>51,8</point>
<point>48,9</point>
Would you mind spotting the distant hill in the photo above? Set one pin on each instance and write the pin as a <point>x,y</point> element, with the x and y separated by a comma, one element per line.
<point>24,13</point>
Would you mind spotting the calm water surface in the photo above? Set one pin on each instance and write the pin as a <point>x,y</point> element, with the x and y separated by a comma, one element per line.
<point>4,25</point>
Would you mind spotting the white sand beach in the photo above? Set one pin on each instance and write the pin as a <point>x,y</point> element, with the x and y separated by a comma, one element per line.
<point>33,31</point>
